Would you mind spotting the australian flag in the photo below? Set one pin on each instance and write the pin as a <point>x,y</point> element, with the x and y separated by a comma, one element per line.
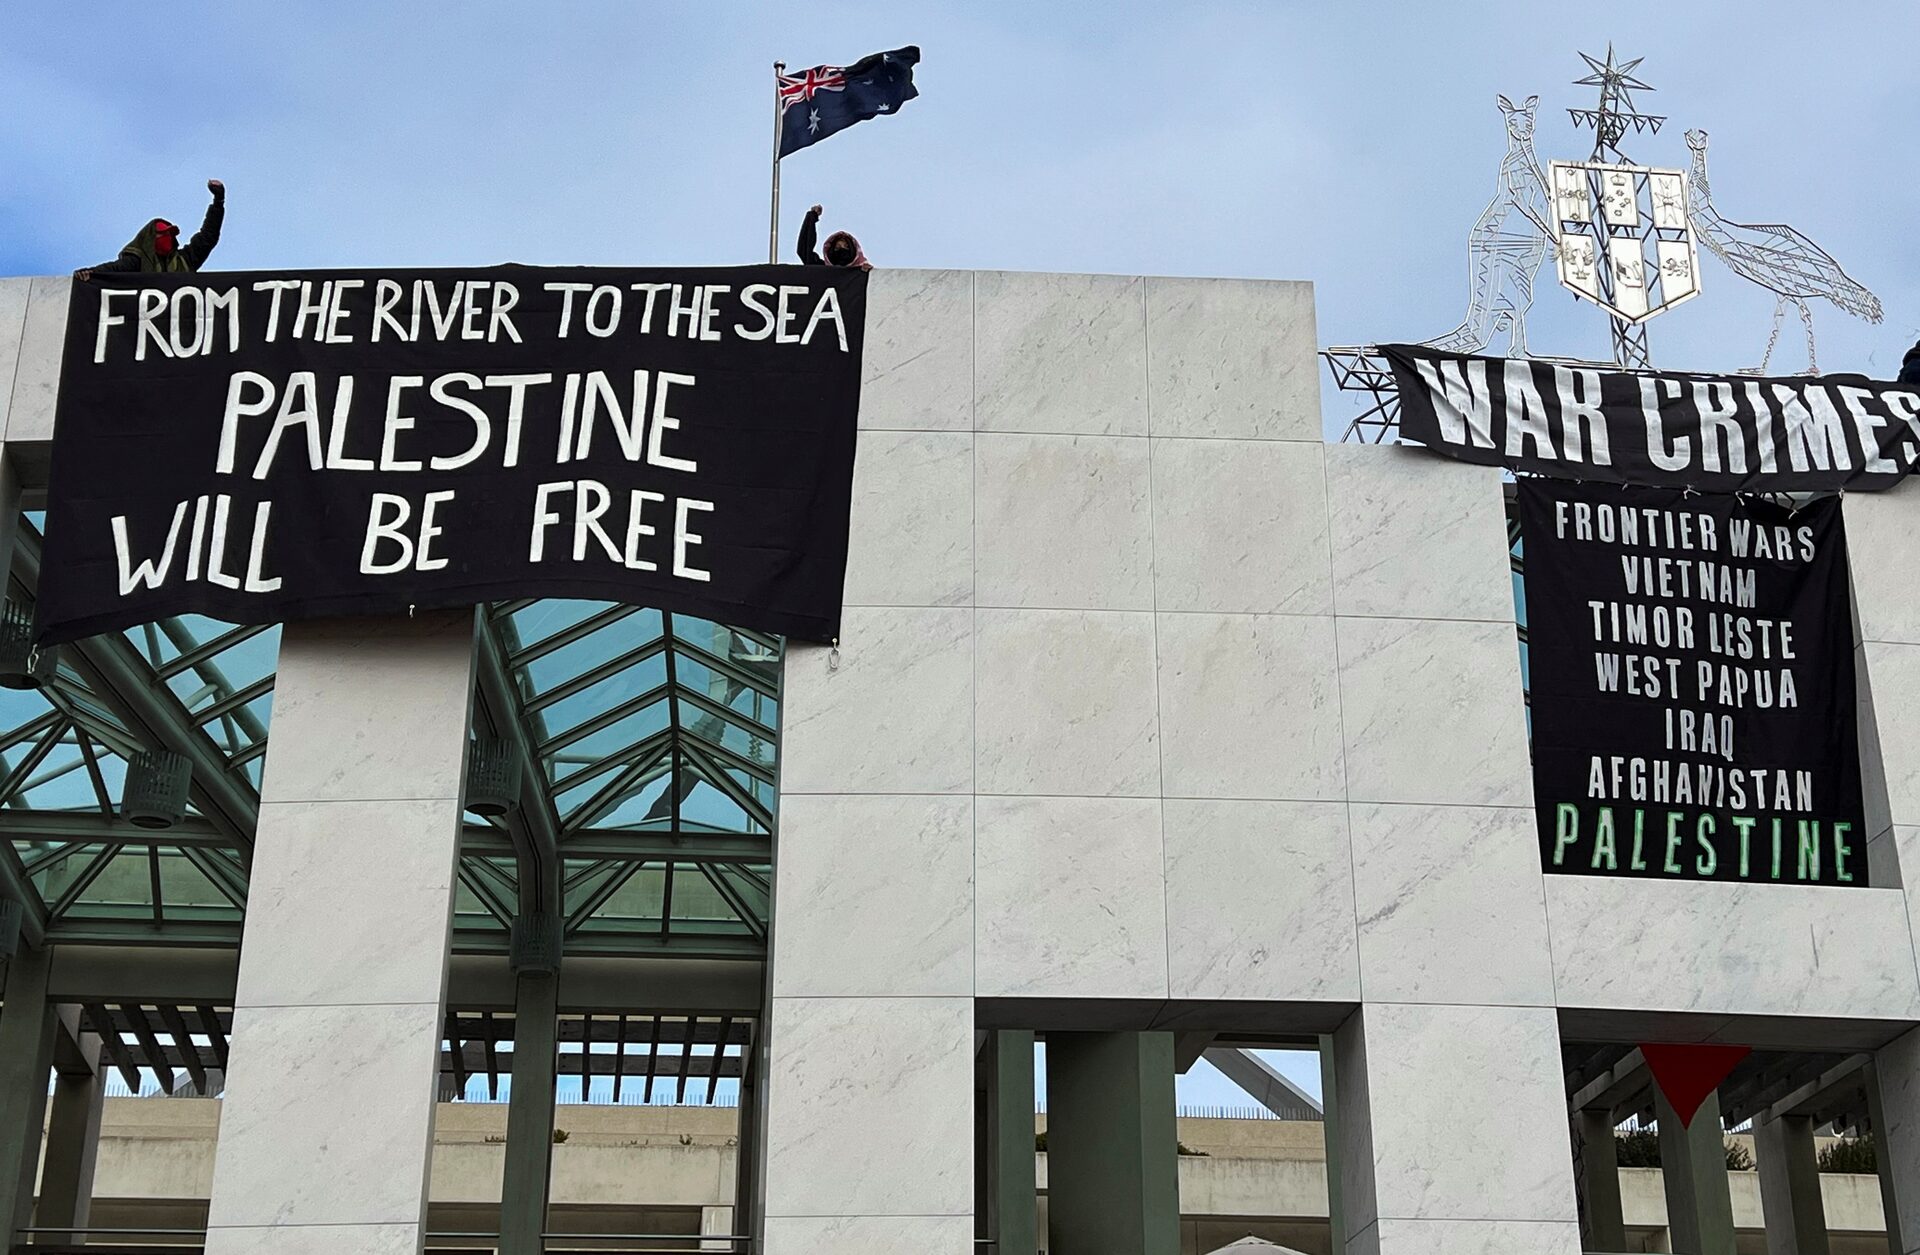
<point>815,103</point>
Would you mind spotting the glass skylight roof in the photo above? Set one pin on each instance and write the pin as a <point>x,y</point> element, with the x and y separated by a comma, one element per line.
<point>655,738</point>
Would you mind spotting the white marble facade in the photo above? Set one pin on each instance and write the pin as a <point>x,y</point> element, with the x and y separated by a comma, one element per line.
<point>1146,697</point>
<point>1149,697</point>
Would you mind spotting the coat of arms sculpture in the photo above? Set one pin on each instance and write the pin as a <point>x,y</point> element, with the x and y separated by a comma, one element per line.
<point>1623,236</point>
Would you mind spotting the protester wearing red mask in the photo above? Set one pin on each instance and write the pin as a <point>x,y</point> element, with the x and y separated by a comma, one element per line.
<point>841,250</point>
<point>157,249</point>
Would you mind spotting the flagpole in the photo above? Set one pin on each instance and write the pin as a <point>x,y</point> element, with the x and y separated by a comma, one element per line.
<point>773,225</point>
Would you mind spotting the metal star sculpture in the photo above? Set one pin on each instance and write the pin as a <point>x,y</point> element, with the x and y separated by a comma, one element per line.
<point>1616,112</point>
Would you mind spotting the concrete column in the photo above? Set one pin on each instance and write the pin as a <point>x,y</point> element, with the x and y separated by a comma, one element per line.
<point>1330,1139</point>
<point>1605,1224</point>
<point>717,1220</point>
<point>73,1139</point>
<point>27,1027</point>
<point>326,1132</point>
<point>9,501</point>
<point>1796,1216</point>
<point>749,1153</point>
<point>523,1194</point>
<point>1008,1209</point>
<point>869,1127</point>
<point>1893,1096</point>
<point>1418,1177</point>
<point>1693,1165</point>
<point>1113,1171</point>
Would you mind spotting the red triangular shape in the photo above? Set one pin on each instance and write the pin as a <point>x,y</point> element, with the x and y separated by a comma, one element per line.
<point>1687,1074</point>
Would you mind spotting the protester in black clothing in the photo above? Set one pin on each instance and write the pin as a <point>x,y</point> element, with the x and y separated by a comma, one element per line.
<point>157,248</point>
<point>841,250</point>
<point>1910,366</point>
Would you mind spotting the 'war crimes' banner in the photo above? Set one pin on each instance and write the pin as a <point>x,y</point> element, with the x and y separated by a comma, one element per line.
<point>1691,663</point>
<point>262,447</point>
<point>1686,431</point>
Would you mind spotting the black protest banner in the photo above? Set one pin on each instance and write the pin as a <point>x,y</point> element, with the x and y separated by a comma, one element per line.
<point>1691,666</point>
<point>259,447</point>
<point>1641,427</point>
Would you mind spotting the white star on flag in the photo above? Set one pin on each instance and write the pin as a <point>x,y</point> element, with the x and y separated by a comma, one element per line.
<point>813,119</point>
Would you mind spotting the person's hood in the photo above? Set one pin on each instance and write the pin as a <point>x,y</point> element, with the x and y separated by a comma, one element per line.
<point>143,246</point>
<point>860,261</point>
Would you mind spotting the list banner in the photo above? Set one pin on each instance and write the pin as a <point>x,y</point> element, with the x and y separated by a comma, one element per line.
<point>258,447</point>
<point>1691,665</point>
<point>1702,432</point>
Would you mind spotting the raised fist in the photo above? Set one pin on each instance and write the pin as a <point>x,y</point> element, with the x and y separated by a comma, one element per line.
<point>218,189</point>
<point>814,212</point>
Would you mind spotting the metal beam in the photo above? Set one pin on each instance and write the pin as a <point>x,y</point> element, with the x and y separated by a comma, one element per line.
<point>191,831</point>
<point>1265,1085</point>
<point>605,985</point>
<point>1609,1092</point>
<point>472,1057</point>
<point>1187,1049</point>
<point>16,887</point>
<point>1847,1075</point>
<point>617,845</point>
<point>181,975</point>
<point>86,932</point>
<point>101,1021</point>
<point>120,680</point>
<point>1747,1097</point>
<point>534,828</point>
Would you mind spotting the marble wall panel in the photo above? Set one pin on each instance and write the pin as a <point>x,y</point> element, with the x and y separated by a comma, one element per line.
<point>1060,353</point>
<point>879,896</point>
<point>13,324</point>
<point>1260,901</point>
<point>917,368</point>
<point>891,715</point>
<point>1883,540</point>
<point>1063,523</point>
<point>1450,905</point>
<point>1416,535</point>
<point>1679,947</point>
<point>36,381</point>
<point>1240,526</point>
<point>1432,712</point>
<point>1895,671</point>
<point>1431,1164</point>
<point>363,709</point>
<point>865,1095</point>
<point>394,861</point>
<point>1066,703</point>
<point>1249,707</point>
<point>1233,358</point>
<point>1070,898</point>
<point>304,1088</point>
<point>910,538</point>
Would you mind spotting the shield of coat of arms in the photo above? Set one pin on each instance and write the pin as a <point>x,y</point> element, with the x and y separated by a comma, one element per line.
<point>1624,242</point>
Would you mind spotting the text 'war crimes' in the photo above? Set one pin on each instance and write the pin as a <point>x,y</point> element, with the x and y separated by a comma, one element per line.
<point>1552,413</point>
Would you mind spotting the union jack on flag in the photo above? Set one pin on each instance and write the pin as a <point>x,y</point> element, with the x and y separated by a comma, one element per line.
<point>816,103</point>
<point>821,78</point>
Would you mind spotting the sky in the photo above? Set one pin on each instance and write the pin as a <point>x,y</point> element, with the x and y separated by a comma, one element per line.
<point>1349,145</point>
